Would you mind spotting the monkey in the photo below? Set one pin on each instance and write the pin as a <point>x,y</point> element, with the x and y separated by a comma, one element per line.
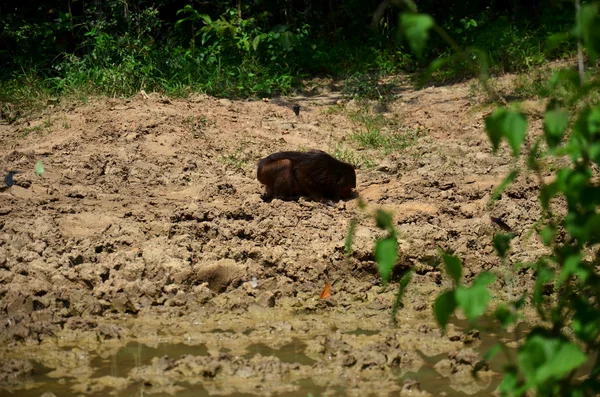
<point>314,174</point>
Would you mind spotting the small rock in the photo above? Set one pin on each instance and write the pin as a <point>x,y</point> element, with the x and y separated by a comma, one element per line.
<point>388,167</point>
<point>348,360</point>
<point>266,299</point>
<point>411,385</point>
<point>202,293</point>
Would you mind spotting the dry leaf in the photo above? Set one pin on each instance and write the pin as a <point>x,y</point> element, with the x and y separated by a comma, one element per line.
<point>326,293</point>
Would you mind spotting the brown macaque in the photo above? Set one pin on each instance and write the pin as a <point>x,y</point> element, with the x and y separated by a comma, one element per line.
<point>314,174</point>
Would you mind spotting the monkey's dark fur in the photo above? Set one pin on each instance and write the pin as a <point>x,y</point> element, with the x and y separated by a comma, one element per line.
<point>315,174</point>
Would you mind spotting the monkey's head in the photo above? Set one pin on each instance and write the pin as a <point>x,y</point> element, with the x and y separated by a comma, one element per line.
<point>346,184</point>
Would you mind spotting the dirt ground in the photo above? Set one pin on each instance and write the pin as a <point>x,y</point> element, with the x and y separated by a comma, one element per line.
<point>147,231</point>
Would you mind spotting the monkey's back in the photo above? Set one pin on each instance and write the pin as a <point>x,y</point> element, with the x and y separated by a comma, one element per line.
<point>313,173</point>
<point>293,156</point>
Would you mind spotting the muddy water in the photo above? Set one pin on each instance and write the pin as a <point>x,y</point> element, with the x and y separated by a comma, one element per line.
<point>116,372</point>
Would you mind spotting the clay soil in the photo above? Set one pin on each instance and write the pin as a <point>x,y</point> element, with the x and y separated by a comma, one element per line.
<point>147,231</point>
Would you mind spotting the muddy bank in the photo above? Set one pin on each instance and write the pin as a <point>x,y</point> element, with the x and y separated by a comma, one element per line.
<point>147,227</point>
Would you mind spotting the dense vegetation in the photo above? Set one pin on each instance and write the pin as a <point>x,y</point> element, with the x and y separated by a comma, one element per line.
<point>560,355</point>
<point>258,48</point>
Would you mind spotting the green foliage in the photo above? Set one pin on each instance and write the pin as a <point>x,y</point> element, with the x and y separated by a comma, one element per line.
<point>503,186</point>
<point>544,360</point>
<point>401,289</point>
<point>350,237</point>
<point>502,243</point>
<point>386,248</point>
<point>358,160</point>
<point>416,28</point>
<point>587,29</point>
<point>39,168</point>
<point>237,160</point>
<point>261,49</point>
<point>444,307</point>
<point>473,300</point>
<point>506,124</point>
<point>386,253</point>
<point>556,121</point>
<point>378,132</point>
<point>453,267</point>
<point>567,286</point>
<point>367,86</point>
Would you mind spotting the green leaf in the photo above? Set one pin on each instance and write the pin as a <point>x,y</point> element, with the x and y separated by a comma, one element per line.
<point>386,252</point>
<point>595,152</point>
<point>401,288</point>
<point>484,279</point>
<point>505,316</point>
<point>555,124</point>
<point>586,320</point>
<point>515,130</point>
<point>39,168</point>
<point>589,29</point>
<point>506,124</point>
<point>491,353</point>
<point>544,357</point>
<point>350,237</point>
<point>205,37</point>
<point>510,383</point>
<point>383,220</point>
<point>497,348</point>
<point>555,40</point>
<point>206,18</point>
<point>256,42</point>
<point>570,267</point>
<point>434,65</point>
<point>565,75</point>
<point>547,192</point>
<point>444,307</point>
<point>532,157</point>
<point>416,29</point>
<point>510,178</point>
<point>474,300</point>
<point>484,65</point>
<point>547,234</point>
<point>544,275</point>
<point>502,243</point>
<point>593,120</point>
<point>453,267</point>
<point>287,40</point>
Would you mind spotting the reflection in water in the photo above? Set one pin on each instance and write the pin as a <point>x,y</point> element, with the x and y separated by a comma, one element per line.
<point>137,354</point>
<point>291,353</point>
<point>433,382</point>
<point>491,333</point>
<point>222,331</point>
<point>360,331</point>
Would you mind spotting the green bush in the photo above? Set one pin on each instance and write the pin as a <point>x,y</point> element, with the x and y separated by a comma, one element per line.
<point>561,355</point>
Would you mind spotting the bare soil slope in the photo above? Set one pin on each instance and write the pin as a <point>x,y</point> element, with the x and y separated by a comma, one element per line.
<point>147,226</point>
